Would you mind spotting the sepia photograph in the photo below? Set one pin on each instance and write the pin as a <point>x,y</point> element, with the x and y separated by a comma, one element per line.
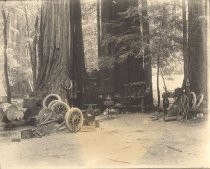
<point>104,84</point>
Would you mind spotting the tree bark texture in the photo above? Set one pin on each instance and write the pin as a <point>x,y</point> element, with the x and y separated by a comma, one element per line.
<point>197,47</point>
<point>61,54</point>
<point>5,36</point>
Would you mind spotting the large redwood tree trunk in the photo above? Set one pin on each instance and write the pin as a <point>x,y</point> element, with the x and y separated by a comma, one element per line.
<point>61,54</point>
<point>197,47</point>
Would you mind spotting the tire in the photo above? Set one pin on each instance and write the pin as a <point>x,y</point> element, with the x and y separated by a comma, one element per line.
<point>49,98</point>
<point>60,108</point>
<point>74,120</point>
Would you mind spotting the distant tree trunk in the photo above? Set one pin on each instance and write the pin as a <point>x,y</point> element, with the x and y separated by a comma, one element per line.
<point>32,47</point>
<point>61,53</point>
<point>158,73</point>
<point>5,35</point>
<point>197,46</point>
<point>98,28</point>
<point>185,56</point>
<point>76,63</point>
<point>148,68</point>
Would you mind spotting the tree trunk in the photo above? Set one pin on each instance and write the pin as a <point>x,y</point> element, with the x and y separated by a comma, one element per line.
<point>76,63</point>
<point>158,89</point>
<point>146,40</point>
<point>61,54</point>
<point>32,47</point>
<point>99,28</point>
<point>185,56</point>
<point>197,47</point>
<point>5,35</point>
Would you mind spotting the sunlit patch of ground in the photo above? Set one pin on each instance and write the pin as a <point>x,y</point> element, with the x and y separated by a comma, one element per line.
<point>129,140</point>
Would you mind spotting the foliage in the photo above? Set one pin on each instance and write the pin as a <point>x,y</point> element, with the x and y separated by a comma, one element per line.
<point>89,26</point>
<point>165,24</point>
<point>18,55</point>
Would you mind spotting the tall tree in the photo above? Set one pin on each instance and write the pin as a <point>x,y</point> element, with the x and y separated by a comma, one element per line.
<point>32,46</point>
<point>119,30</point>
<point>5,16</point>
<point>185,41</point>
<point>61,54</point>
<point>146,40</point>
<point>197,46</point>
<point>98,28</point>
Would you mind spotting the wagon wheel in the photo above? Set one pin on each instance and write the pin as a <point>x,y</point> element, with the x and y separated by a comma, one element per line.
<point>44,115</point>
<point>74,119</point>
<point>60,108</point>
<point>199,100</point>
<point>52,102</point>
<point>49,98</point>
<point>66,83</point>
<point>192,100</point>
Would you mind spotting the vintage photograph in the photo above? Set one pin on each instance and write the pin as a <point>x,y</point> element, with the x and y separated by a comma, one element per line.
<point>104,84</point>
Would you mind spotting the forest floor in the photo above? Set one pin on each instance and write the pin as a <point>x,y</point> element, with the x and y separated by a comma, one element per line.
<point>128,140</point>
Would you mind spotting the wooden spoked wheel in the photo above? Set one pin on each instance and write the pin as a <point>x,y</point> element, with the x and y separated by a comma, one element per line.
<point>192,100</point>
<point>45,114</point>
<point>199,100</point>
<point>52,102</point>
<point>74,119</point>
<point>49,98</point>
<point>60,108</point>
<point>67,83</point>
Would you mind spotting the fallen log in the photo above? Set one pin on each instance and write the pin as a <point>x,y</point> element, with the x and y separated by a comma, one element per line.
<point>10,111</point>
<point>171,118</point>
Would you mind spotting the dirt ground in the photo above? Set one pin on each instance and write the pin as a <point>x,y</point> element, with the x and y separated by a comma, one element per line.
<point>128,140</point>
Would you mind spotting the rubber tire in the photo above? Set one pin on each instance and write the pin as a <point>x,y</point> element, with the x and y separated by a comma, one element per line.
<point>60,103</point>
<point>67,117</point>
<point>48,97</point>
